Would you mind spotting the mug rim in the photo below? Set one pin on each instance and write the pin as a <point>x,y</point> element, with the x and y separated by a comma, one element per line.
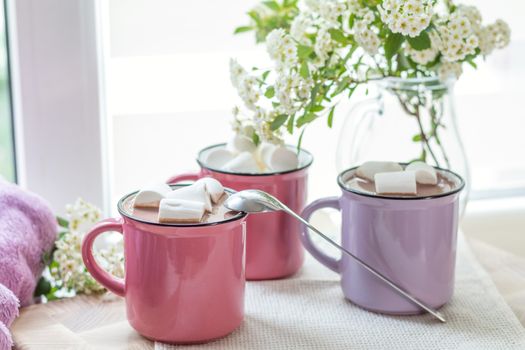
<point>366,194</point>
<point>201,164</point>
<point>240,215</point>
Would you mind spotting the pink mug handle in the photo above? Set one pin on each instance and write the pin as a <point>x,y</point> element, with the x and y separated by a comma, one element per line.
<point>110,282</point>
<point>184,177</point>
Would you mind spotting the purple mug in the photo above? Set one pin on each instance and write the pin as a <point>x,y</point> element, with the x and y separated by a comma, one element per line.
<point>411,240</point>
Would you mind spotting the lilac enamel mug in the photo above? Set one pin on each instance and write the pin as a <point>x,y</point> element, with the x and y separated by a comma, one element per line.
<point>411,240</point>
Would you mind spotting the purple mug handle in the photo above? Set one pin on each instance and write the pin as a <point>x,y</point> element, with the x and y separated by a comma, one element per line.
<point>183,177</point>
<point>323,258</point>
<point>104,278</point>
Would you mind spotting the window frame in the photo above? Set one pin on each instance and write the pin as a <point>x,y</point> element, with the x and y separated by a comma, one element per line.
<point>57,107</point>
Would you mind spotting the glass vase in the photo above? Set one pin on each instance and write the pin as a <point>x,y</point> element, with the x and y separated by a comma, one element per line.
<point>405,120</point>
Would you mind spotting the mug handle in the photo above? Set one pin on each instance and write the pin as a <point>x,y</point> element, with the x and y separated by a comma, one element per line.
<point>183,177</point>
<point>323,258</point>
<point>110,282</point>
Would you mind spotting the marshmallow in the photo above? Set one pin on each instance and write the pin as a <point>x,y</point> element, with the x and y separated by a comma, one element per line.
<point>240,143</point>
<point>217,158</point>
<point>281,158</point>
<point>151,195</point>
<point>262,153</point>
<point>180,210</point>
<point>369,169</point>
<point>213,187</point>
<point>425,174</point>
<point>195,193</point>
<point>242,163</point>
<point>398,182</point>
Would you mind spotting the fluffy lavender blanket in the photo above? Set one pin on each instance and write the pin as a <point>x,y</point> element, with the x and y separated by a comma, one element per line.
<point>27,230</point>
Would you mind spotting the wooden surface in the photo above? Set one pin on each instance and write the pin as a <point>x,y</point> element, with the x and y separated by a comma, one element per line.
<point>99,322</point>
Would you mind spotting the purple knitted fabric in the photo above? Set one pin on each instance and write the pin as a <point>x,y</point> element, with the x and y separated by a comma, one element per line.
<point>8,311</point>
<point>27,230</point>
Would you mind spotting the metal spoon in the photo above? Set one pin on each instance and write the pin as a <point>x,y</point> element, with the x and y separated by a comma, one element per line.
<point>255,201</point>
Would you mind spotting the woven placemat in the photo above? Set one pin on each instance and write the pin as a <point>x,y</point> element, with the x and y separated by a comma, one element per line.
<point>309,312</point>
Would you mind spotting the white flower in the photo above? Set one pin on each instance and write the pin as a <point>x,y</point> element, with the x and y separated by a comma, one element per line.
<point>237,73</point>
<point>248,91</point>
<point>261,121</point>
<point>300,27</point>
<point>82,216</point>
<point>328,10</point>
<point>366,37</point>
<point>281,48</point>
<point>494,36</point>
<point>323,44</point>
<point>448,70</point>
<point>408,17</point>
<point>368,17</point>
<point>472,14</point>
<point>457,38</point>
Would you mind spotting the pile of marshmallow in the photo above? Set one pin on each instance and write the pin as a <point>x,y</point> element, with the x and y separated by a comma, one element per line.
<point>241,155</point>
<point>186,204</point>
<point>390,178</point>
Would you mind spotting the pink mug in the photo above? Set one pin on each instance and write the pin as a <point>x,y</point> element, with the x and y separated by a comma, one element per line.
<point>273,247</point>
<point>184,283</point>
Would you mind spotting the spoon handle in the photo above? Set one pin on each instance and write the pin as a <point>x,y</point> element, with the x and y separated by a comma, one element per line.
<point>376,273</point>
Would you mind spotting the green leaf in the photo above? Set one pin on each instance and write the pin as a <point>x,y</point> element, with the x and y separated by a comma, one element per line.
<point>255,138</point>
<point>338,36</point>
<point>472,63</point>
<point>289,127</point>
<point>270,92</point>
<point>343,84</point>
<point>393,44</point>
<point>303,51</point>
<point>43,287</point>
<point>417,138</point>
<point>420,42</point>
<point>271,5</point>
<point>317,108</point>
<point>62,222</point>
<point>303,71</point>
<point>300,141</point>
<point>265,75</point>
<point>242,29</point>
<point>331,117</point>
<point>278,122</point>
<point>305,119</point>
<point>351,20</point>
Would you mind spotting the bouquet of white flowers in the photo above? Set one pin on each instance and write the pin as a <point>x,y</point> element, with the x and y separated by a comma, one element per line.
<point>324,49</point>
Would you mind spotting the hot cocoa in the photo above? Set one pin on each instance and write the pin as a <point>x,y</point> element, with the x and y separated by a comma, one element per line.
<point>356,183</point>
<point>218,212</point>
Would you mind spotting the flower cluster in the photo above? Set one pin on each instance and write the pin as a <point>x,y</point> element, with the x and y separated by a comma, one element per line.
<point>328,10</point>
<point>407,17</point>
<point>300,28</point>
<point>494,36</point>
<point>323,49</point>
<point>282,49</point>
<point>456,38</point>
<point>365,35</point>
<point>245,84</point>
<point>67,271</point>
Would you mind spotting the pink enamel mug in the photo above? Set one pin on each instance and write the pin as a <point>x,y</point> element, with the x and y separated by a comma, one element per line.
<point>184,283</point>
<point>273,246</point>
